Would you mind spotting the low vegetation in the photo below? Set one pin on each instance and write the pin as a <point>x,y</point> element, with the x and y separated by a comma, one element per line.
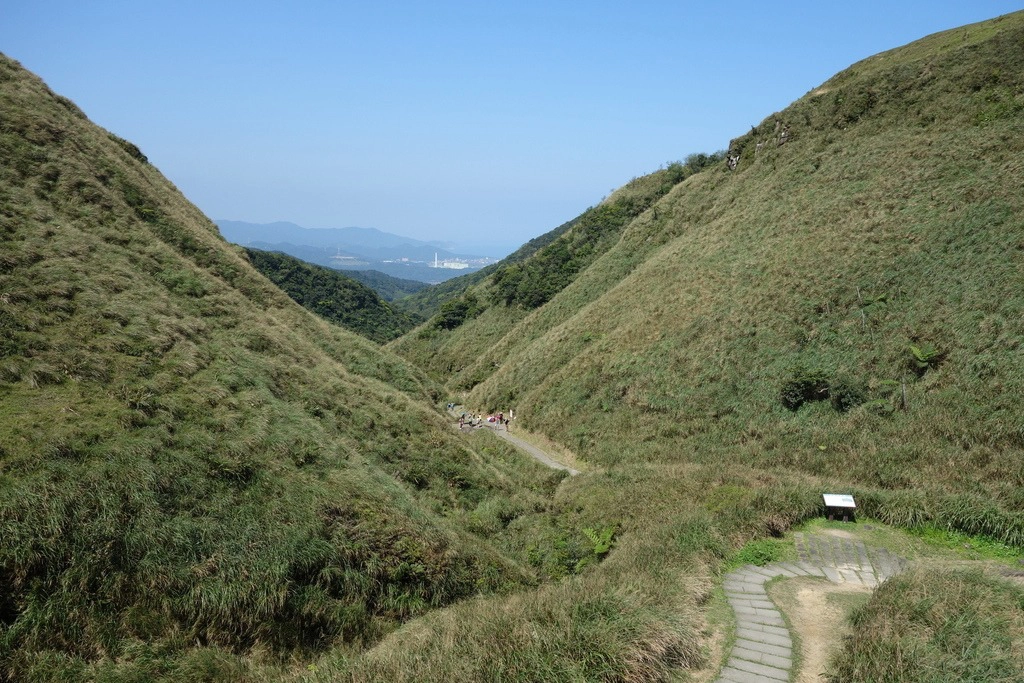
<point>842,300</point>
<point>937,625</point>
<point>839,303</point>
<point>198,478</point>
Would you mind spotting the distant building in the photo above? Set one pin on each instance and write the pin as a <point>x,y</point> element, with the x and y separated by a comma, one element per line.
<point>452,264</point>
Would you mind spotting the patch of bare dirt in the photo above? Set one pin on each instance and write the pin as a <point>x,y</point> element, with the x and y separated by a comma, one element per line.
<point>817,612</point>
<point>838,533</point>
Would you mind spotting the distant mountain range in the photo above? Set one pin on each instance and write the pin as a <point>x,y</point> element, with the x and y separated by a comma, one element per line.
<point>354,248</point>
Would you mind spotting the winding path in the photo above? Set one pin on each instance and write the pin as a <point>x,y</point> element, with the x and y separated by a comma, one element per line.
<point>528,448</point>
<point>764,649</point>
<point>534,452</point>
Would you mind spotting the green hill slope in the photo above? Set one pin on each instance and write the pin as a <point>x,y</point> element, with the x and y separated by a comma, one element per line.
<point>536,271</point>
<point>199,480</point>
<point>865,249</point>
<point>465,339</point>
<point>840,307</point>
<point>332,295</point>
<point>389,288</point>
<point>195,472</point>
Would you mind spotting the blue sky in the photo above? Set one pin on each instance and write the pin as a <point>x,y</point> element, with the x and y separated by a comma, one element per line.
<point>470,122</point>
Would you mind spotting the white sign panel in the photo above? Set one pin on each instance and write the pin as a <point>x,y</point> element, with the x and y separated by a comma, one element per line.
<point>838,500</point>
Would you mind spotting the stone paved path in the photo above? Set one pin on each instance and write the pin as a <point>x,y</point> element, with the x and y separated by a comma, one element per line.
<point>764,649</point>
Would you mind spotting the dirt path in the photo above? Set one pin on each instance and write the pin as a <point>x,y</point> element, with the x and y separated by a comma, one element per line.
<point>817,614</point>
<point>528,448</point>
<point>534,452</point>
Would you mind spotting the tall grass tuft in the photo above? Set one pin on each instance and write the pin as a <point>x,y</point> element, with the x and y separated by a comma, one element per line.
<point>586,629</point>
<point>936,625</point>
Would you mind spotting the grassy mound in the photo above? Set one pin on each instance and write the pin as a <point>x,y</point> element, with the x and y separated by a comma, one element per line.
<point>937,625</point>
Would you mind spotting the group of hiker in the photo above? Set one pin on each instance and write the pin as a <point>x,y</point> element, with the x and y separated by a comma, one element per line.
<point>494,420</point>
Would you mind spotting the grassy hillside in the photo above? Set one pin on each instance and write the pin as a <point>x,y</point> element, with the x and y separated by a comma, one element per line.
<point>332,295</point>
<point>866,249</point>
<point>472,320</point>
<point>532,274</point>
<point>839,307</point>
<point>198,478</point>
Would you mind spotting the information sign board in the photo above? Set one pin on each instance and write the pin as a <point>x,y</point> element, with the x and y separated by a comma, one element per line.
<point>838,500</point>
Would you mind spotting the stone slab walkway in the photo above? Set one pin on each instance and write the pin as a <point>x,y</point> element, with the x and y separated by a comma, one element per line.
<point>764,649</point>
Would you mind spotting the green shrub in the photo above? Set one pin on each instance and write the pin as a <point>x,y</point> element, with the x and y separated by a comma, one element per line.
<point>455,312</point>
<point>759,553</point>
<point>804,385</point>
<point>846,393</point>
<point>602,539</point>
<point>181,281</point>
<point>924,358</point>
<point>129,147</point>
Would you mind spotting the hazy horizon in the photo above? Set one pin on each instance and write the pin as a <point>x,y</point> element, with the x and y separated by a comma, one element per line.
<point>462,122</point>
<point>459,247</point>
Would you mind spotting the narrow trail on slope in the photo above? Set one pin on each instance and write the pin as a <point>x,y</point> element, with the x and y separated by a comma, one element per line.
<point>534,452</point>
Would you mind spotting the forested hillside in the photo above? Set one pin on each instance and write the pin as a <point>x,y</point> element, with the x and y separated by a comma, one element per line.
<point>389,288</point>
<point>333,296</point>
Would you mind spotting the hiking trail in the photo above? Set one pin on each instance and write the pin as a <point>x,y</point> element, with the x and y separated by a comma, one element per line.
<point>534,452</point>
<point>763,650</point>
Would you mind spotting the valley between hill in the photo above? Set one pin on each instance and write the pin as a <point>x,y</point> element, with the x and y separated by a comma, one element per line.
<point>202,480</point>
